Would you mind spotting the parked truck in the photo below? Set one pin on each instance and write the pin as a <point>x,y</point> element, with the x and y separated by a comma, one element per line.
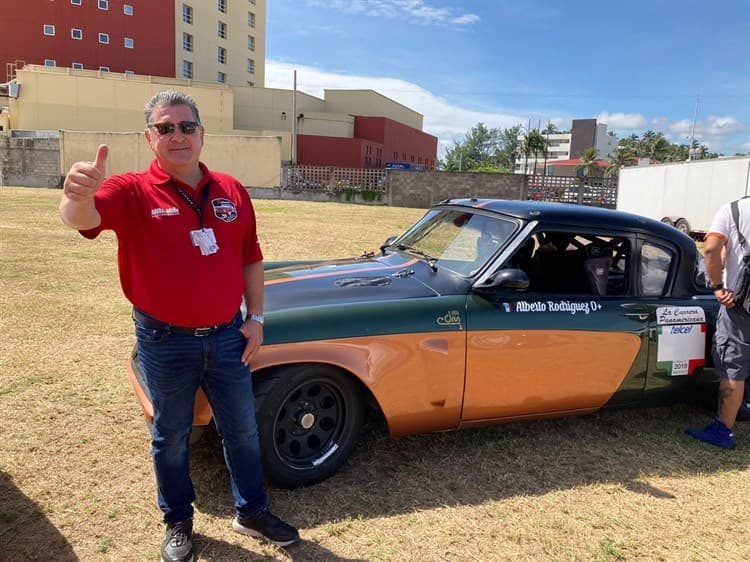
<point>685,195</point>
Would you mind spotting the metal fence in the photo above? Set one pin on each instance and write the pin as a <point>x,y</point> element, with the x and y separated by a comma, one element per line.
<point>592,191</point>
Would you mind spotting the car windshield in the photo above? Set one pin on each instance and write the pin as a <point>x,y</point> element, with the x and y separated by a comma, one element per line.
<point>460,241</point>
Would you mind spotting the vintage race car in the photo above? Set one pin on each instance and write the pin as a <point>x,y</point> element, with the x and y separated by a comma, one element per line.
<point>485,311</point>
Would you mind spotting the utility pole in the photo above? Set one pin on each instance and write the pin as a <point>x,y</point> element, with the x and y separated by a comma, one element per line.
<point>293,155</point>
<point>691,149</point>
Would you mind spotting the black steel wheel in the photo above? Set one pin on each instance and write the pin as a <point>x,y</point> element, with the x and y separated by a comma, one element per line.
<point>309,419</point>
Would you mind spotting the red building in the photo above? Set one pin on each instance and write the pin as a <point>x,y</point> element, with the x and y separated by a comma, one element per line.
<point>377,141</point>
<point>114,35</point>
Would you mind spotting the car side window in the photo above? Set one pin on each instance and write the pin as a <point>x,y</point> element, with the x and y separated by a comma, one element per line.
<point>654,270</point>
<point>564,262</point>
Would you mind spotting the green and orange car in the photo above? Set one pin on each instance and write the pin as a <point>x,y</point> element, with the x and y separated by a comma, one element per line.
<point>485,311</point>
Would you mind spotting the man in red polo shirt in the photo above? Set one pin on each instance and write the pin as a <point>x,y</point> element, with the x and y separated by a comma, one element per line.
<point>187,254</point>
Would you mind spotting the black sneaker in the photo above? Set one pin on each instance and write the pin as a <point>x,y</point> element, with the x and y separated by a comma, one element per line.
<point>178,542</point>
<point>266,526</point>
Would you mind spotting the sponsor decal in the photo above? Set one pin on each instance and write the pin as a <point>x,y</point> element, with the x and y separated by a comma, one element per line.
<point>681,340</point>
<point>680,315</point>
<point>571,307</point>
<point>168,212</point>
<point>224,209</point>
<point>450,318</point>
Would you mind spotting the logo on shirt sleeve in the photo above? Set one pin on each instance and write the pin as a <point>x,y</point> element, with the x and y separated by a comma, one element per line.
<point>224,209</point>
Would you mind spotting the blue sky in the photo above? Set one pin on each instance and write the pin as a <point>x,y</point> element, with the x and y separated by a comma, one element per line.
<point>634,65</point>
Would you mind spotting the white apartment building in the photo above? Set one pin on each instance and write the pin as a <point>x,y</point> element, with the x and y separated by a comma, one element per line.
<point>584,133</point>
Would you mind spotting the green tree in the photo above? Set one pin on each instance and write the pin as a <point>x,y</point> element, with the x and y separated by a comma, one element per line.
<point>477,149</point>
<point>588,163</point>
<point>621,158</point>
<point>534,143</point>
<point>509,147</point>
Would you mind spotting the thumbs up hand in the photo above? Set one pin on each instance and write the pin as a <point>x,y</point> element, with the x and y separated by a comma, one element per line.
<point>84,178</point>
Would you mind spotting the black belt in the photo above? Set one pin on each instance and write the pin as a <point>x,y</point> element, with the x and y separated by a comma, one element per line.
<point>154,324</point>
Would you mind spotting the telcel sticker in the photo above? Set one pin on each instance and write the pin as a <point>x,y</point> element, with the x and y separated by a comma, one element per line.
<point>681,342</point>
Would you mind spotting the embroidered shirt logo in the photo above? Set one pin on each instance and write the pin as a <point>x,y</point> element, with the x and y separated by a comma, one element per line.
<point>224,209</point>
<point>169,212</point>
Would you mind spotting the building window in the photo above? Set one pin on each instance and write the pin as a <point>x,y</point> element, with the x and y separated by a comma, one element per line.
<point>128,42</point>
<point>77,65</point>
<point>222,30</point>
<point>129,71</point>
<point>222,55</point>
<point>251,19</point>
<point>104,38</point>
<point>187,69</point>
<point>222,6</point>
<point>76,34</point>
<point>127,9</point>
<point>249,83</point>
<point>104,4</point>
<point>221,77</point>
<point>75,2</point>
<point>104,68</point>
<point>50,62</point>
<point>251,66</point>
<point>49,29</point>
<point>250,43</point>
<point>187,14</point>
<point>187,42</point>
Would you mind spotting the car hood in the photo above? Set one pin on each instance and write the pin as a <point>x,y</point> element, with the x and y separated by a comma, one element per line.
<point>301,284</point>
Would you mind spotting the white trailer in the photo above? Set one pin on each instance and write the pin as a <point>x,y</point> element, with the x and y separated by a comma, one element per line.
<point>684,194</point>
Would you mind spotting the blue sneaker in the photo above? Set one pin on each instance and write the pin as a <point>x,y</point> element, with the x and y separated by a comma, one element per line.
<point>715,433</point>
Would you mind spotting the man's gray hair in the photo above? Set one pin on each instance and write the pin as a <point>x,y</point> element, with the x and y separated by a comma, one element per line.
<point>170,97</point>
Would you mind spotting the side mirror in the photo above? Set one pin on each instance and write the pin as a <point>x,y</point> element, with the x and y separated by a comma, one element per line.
<point>513,279</point>
<point>387,243</point>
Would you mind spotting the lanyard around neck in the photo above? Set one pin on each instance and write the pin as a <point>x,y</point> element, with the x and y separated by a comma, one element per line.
<point>193,205</point>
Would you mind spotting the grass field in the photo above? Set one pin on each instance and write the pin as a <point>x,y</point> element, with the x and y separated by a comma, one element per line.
<point>76,480</point>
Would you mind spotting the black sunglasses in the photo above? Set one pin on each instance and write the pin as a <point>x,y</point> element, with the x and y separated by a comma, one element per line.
<point>187,127</point>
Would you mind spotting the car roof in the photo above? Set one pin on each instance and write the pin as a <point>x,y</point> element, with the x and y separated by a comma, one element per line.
<point>570,213</point>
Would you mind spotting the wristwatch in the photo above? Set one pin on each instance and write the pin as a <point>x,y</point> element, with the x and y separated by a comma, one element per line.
<point>257,317</point>
<point>717,287</point>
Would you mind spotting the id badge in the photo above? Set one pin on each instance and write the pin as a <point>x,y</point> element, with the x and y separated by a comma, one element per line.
<point>205,240</point>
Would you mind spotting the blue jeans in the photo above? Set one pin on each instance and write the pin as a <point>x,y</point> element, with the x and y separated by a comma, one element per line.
<point>174,366</point>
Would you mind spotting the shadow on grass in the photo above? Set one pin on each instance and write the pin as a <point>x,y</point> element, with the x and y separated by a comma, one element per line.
<point>25,532</point>
<point>394,476</point>
<point>215,550</point>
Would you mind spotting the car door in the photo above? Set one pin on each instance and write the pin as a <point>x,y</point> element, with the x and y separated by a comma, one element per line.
<point>562,348</point>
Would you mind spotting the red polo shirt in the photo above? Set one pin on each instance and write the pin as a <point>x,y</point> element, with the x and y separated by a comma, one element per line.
<point>161,271</point>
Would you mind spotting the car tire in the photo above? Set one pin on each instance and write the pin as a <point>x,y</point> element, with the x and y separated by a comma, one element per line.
<point>309,420</point>
<point>683,226</point>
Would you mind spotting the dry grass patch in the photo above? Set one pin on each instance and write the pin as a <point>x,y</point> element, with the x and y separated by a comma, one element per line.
<point>76,480</point>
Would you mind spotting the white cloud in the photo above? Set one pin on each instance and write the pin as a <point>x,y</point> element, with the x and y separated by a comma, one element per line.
<point>419,10</point>
<point>446,121</point>
<point>450,122</point>
<point>627,121</point>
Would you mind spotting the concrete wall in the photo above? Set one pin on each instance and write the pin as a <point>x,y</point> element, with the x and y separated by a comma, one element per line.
<point>423,189</point>
<point>42,162</point>
<point>30,162</point>
<point>87,100</point>
<point>254,161</point>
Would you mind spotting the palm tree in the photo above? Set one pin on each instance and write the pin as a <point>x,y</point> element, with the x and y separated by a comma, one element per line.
<point>620,159</point>
<point>535,142</point>
<point>588,161</point>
